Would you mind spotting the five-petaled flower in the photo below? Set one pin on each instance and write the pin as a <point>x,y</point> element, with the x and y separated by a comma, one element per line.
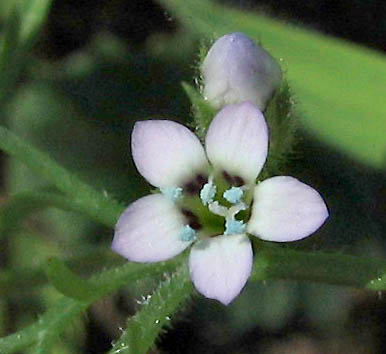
<point>209,199</point>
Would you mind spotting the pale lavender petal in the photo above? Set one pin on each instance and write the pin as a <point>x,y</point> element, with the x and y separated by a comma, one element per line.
<point>149,230</point>
<point>236,70</point>
<point>166,153</point>
<point>220,266</point>
<point>285,209</point>
<point>237,141</point>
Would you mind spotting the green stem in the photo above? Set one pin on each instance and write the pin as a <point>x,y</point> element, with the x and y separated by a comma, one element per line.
<point>329,268</point>
<point>18,281</point>
<point>155,313</point>
<point>83,197</point>
<point>270,263</point>
<point>57,318</point>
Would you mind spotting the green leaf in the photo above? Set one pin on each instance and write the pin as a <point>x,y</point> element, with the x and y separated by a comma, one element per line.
<point>339,86</point>
<point>24,20</point>
<point>69,284</point>
<point>156,313</point>
<point>33,14</point>
<point>46,340</point>
<point>22,204</point>
<point>97,205</point>
<point>275,262</point>
<point>56,319</point>
<point>20,280</point>
<point>22,26</point>
<point>270,263</point>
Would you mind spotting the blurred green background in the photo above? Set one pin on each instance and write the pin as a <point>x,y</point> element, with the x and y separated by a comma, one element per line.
<point>96,67</point>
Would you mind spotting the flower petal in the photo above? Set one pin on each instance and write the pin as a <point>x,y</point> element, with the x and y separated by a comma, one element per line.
<point>285,209</point>
<point>237,140</point>
<point>149,229</point>
<point>220,266</point>
<point>237,70</point>
<point>166,153</point>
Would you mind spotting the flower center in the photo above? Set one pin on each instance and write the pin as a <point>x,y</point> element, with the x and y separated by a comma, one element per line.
<point>217,207</point>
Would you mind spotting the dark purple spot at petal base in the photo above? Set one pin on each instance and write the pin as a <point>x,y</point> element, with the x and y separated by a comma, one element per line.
<point>191,219</point>
<point>195,225</point>
<point>194,187</point>
<point>236,181</point>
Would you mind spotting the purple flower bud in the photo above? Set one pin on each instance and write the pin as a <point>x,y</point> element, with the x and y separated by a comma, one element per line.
<point>236,70</point>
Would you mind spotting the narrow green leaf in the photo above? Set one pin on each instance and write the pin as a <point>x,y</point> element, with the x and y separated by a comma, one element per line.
<point>20,280</point>
<point>275,262</point>
<point>46,340</point>
<point>97,205</point>
<point>156,313</point>
<point>55,320</point>
<point>69,284</point>
<point>22,26</point>
<point>337,84</point>
<point>34,14</point>
<point>270,263</point>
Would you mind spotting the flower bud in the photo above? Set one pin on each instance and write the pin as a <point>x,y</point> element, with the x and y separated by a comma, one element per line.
<point>236,69</point>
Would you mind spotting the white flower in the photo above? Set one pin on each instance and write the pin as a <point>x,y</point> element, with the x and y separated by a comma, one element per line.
<point>236,70</point>
<point>206,199</point>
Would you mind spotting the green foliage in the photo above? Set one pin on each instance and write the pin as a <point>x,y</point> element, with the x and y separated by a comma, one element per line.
<point>332,268</point>
<point>33,14</point>
<point>20,205</point>
<point>18,280</point>
<point>56,319</point>
<point>22,26</point>
<point>155,313</point>
<point>91,202</point>
<point>282,122</point>
<point>69,284</point>
<point>337,84</point>
<point>202,112</point>
<point>10,62</point>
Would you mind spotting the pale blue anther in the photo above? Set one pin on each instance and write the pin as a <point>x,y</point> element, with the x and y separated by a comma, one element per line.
<point>234,227</point>
<point>187,234</point>
<point>233,195</point>
<point>207,193</point>
<point>172,193</point>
